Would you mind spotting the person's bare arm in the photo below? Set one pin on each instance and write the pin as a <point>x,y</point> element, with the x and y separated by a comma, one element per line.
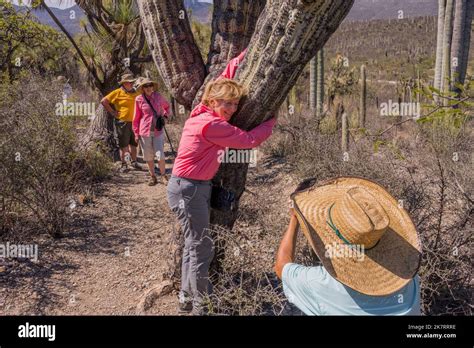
<point>286,251</point>
<point>105,102</point>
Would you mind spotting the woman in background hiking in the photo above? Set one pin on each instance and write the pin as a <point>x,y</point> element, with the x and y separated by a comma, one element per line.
<point>205,134</point>
<point>147,126</point>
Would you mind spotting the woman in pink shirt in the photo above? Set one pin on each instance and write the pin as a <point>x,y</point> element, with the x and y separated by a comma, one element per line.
<point>149,107</point>
<point>205,135</point>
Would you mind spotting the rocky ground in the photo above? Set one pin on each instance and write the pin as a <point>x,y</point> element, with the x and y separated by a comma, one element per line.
<point>115,251</point>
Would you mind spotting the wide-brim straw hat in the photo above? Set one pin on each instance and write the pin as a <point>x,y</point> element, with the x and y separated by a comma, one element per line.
<point>144,81</point>
<point>362,235</point>
<point>127,78</point>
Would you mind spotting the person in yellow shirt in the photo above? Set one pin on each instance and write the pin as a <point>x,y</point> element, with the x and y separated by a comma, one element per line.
<point>123,101</point>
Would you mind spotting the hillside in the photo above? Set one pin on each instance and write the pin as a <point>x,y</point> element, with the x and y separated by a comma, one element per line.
<point>71,17</point>
<point>389,9</point>
<point>388,53</point>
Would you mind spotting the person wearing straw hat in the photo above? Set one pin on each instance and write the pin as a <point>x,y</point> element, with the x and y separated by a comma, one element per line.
<point>150,106</point>
<point>367,244</point>
<point>123,100</point>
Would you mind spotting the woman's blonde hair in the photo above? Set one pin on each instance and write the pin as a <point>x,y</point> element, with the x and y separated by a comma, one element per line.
<point>225,89</point>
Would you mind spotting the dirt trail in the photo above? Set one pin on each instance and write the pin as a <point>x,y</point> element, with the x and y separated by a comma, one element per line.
<point>105,263</point>
<point>116,249</point>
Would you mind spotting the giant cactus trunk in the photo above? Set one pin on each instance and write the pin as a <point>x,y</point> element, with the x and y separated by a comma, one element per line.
<point>171,42</point>
<point>233,24</point>
<point>286,35</point>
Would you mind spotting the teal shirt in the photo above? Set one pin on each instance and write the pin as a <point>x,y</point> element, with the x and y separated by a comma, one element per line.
<point>315,292</point>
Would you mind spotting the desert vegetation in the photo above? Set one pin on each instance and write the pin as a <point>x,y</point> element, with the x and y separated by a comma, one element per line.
<point>340,100</point>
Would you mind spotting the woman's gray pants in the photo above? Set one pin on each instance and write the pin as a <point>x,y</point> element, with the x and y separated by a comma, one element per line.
<point>190,201</point>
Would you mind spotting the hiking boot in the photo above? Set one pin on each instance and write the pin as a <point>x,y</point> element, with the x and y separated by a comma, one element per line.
<point>185,307</point>
<point>164,179</point>
<point>200,311</point>
<point>153,181</point>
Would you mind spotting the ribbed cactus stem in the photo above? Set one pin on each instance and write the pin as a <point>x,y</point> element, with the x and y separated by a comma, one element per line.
<point>345,133</point>
<point>439,47</point>
<point>363,97</point>
<point>418,86</point>
<point>312,83</point>
<point>320,83</point>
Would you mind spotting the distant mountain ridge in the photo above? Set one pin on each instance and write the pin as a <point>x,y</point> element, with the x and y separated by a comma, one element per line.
<point>70,18</point>
<point>200,11</point>
<point>390,9</point>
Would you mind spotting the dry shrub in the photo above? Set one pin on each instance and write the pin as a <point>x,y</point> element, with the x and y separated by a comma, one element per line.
<point>245,284</point>
<point>41,168</point>
<point>417,168</point>
<point>428,169</point>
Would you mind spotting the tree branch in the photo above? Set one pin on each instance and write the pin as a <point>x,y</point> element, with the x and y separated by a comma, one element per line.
<point>91,69</point>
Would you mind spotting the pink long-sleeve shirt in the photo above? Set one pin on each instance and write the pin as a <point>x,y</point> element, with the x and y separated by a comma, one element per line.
<point>143,118</point>
<point>205,134</point>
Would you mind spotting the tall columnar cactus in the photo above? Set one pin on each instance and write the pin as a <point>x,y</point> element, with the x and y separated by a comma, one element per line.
<point>316,84</point>
<point>453,43</point>
<point>460,48</point>
<point>320,83</point>
<point>293,100</point>
<point>345,133</point>
<point>466,40</point>
<point>419,87</point>
<point>363,97</point>
<point>447,40</point>
<point>312,82</point>
<point>439,45</point>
